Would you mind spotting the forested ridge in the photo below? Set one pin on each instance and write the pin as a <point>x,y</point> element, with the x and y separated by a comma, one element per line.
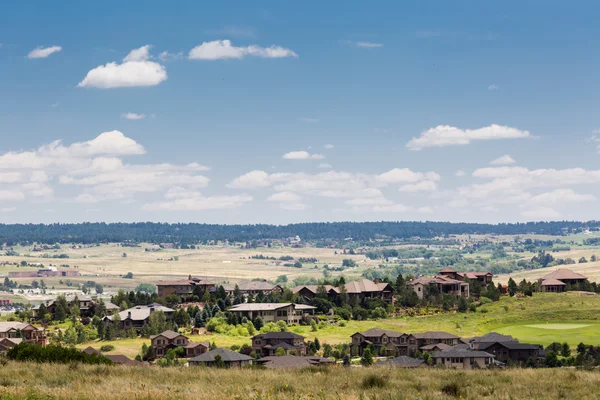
<point>200,233</point>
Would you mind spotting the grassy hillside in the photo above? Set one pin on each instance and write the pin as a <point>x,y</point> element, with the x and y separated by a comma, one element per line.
<point>32,381</point>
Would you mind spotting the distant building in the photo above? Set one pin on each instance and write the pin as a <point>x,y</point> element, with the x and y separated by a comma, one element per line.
<point>138,316</point>
<point>443,284</point>
<point>506,348</point>
<point>230,359</point>
<point>485,278</point>
<point>253,288</point>
<point>27,332</point>
<point>183,288</point>
<point>360,290</point>
<point>267,344</point>
<point>5,302</point>
<point>463,358</point>
<point>167,340</point>
<point>558,280</point>
<point>287,362</point>
<point>273,312</point>
<point>400,344</point>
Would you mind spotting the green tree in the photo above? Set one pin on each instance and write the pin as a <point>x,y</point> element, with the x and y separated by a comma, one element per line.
<point>551,359</point>
<point>462,304</point>
<point>218,363</point>
<point>582,260</point>
<point>280,352</point>
<point>367,358</point>
<point>317,344</point>
<point>60,314</point>
<point>313,326</point>
<point>566,350</point>
<point>512,287</point>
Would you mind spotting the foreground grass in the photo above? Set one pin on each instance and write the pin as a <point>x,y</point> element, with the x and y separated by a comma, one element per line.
<point>33,381</point>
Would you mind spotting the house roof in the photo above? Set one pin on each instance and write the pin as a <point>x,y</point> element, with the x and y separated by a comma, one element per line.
<point>278,335</point>
<point>435,335</point>
<point>140,313</point>
<point>553,282</point>
<point>460,353</point>
<point>514,345</point>
<point>111,306</point>
<point>293,361</point>
<point>430,280</point>
<point>120,359</point>
<point>447,270</point>
<point>226,356</point>
<point>15,325</point>
<point>376,332</point>
<point>14,341</point>
<point>493,337</point>
<point>402,362</point>
<point>256,285</point>
<point>439,346</point>
<point>563,273</point>
<point>474,275</point>
<point>364,285</point>
<point>304,307</point>
<point>259,306</point>
<point>315,288</point>
<point>181,282</point>
<point>168,334</point>
<point>91,351</point>
<point>191,345</point>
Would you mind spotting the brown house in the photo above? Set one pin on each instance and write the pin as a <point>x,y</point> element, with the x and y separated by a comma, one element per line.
<point>8,343</point>
<point>273,312</point>
<point>27,332</point>
<point>5,302</point>
<point>167,340</point>
<point>138,316</point>
<point>366,289</point>
<point>461,358</point>
<point>230,359</point>
<point>558,280</point>
<point>485,278</point>
<point>267,344</point>
<point>443,284</point>
<point>505,348</point>
<point>309,292</point>
<point>393,343</point>
<point>182,288</point>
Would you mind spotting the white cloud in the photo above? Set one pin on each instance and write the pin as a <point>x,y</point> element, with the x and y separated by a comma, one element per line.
<point>425,210</point>
<point>493,87</point>
<point>285,197</point>
<point>133,116</point>
<point>504,160</point>
<point>251,180</point>
<point>368,45</point>
<point>166,56</point>
<point>423,186</point>
<point>325,166</point>
<point>86,198</point>
<point>401,175</point>
<point>223,49</point>
<point>135,70</point>
<point>444,135</point>
<point>329,146</point>
<point>596,140</point>
<point>194,201</point>
<point>8,209</point>
<point>541,214</point>
<point>302,155</point>
<point>460,172</point>
<point>560,196</point>
<point>8,195</point>
<point>43,52</point>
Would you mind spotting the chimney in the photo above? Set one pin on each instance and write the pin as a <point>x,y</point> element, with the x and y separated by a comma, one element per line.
<point>129,314</point>
<point>151,309</point>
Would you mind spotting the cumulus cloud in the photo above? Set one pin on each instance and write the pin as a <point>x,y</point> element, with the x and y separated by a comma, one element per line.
<point>325,166</point>
<point>43,52</point>
<point>541,214</point>
<point>179,199</point>
<point>288,201</point>
<point>504,160</point>
<point>135,70</point>
<point>329,146</point>
<point>223,49</point>
<point>493,87</point>
<point>444,135</point>
<point>423,186</point>
<point>400,175</point>
<point>302,155</point>
<point>459,173</point>
<point>251,180</point>
<point>133,116</point>
<point>166,56</point>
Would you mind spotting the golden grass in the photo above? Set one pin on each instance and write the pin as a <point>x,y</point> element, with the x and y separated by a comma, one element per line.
<point>33,381</point>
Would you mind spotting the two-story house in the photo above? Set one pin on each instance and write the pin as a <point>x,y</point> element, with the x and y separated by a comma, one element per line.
<point>183,288</point>
<point>273,312</point>
<point>267,344</point>
<point>167,340</point>
<point>393,343</point>
<point>20,330</point>
<point>138,316</point>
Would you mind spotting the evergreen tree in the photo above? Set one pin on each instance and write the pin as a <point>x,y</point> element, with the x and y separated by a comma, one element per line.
<point>60,313</point>
<point>512,287</point>
<point>367,358</point>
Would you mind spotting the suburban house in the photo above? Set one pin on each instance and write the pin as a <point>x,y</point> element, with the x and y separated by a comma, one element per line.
<point>167,340</point>
<point>256,287</point>
<point>558,280</point>
<point>20,330</point>
<point>395,343</point>
<point>138,316</point>
<point>309,292</point>
<point>506,348</point>
<point>43,273</point>
<point>401,344</point>
<point>183,288</point>
<point>485,278</point>
<point>273,312</point>
<point>366,289</point>
<point>229,358</point>
<point>293,361</point>
<point>443,285</point>
<point>8,343</point>
<point>463,358</point>
<point>267,344</point>
<point>86,305</point>
<point>5,302</point>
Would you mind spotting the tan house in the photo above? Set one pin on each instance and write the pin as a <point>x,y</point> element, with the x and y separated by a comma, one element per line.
<point>138,316</point>
<point>394,343</point>
<point>366,289</point>
<point>485,278</point>
<point>8,343</point>
<point>461,358</point>
<point>273,312</point>
<point>557,280</point>
<point>443,284</point>
<point>289,362</point>
<point>183,288</point>
<point>27,332</point>
<point>309,292</point>
<point>167,340</point>
<point>267,344</point>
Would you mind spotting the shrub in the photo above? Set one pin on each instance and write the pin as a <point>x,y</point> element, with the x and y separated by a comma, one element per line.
<point>485,300</point>
<point>373,381</point>
<point>53,353</point>
<point>107,347</point>
<point>453,389</point>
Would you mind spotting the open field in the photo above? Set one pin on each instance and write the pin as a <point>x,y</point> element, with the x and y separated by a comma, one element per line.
<point>33,381</point>
<point>512,316</point>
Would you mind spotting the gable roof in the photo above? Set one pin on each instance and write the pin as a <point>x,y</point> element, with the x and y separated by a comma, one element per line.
<point>15,325</point>
<point>441,280</point>
<point>226,356</point>
<point>553,282</point>
<point>140,313</point>
<point>257,285</point>
<point>435,335</point>
<point>314,288</point>
<point>363,285</point>
<point>514,345</point>
<point>259,306</point>
<point>439,346</point>
<point>120,359</point>
<point>278,335</point>
<point>293,361</point>
<point>191,345</point>
<point>168,334</point>
<point>91,351</point>
<point>376,332</point>
<point>402,362</point>
<point>460,353</point>
<point>493,337</point>
<point>563,273</point>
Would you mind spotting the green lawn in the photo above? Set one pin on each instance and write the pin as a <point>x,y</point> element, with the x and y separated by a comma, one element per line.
<point>544,318</point>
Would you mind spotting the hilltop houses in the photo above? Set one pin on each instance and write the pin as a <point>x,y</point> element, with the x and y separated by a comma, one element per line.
<point>273,312</point>
<point>442,284</point>
<point>167,340</point>
<point>391,343</point>
<point>360,290</point>
<point>138,316</point>
<point>557,281</point>
<point>267,344</point>
<point>20,330</point>
<point>183,288</point>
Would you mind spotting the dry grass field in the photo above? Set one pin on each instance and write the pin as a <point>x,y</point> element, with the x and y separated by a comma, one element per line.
<point>32,381</point>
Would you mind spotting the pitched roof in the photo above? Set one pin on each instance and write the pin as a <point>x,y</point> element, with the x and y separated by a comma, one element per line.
<point>120,359</point>
<point>140,313</point>
<point>293,361</point>
<point>259,306</point>
<point>442,280</point>
<point>191,345</point>
<point>553,282</point>
<point>91,351</point>
<point>447,270</point>
<point>364,285</point>
<point>168,334</point>
<point>493,337</point>
<point>563,273</point>
<point>435,335</point>
<point>14,341</point>
<point>376,332</point>
<point>15,325</point>
<point>278,335</point>
<point>315,288</point>
<point>439,346</point>
<point>226,356</point>
<point>111,306</point>
<point>402,362</point>
<point>514,345</point>
<point>256,285</point>
<point>459,353</point>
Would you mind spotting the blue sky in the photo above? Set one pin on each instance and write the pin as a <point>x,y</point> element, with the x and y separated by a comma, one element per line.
<point>283,112</point>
